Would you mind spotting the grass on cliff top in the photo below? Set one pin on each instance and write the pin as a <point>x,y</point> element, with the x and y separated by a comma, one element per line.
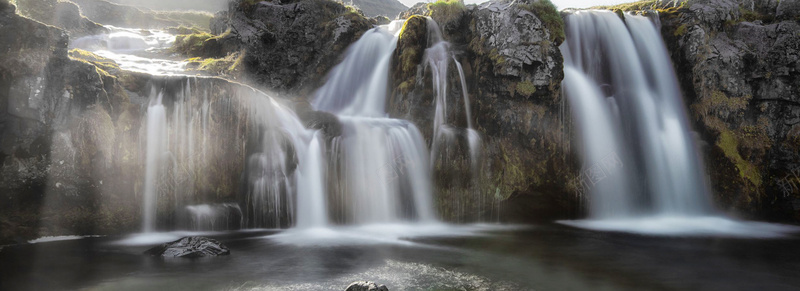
<point>230,65</point>
<point>547,13</point>
<point>103,64</point>
<point>446,10</point>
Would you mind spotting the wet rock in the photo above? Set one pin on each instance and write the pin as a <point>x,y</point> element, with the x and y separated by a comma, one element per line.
<point>737,63</point>
<point>190,247</point>
<point>327,122</point>
<point>420,8</point>
<point>290,45</point>
<point>366,286</point>
<point>513,71</point>
<point>63,14</point>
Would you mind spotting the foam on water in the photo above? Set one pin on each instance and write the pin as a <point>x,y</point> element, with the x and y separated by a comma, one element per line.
<point>699,226</point>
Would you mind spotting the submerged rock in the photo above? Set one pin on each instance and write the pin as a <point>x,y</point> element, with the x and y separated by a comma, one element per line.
<point>190,247</point>
<point>366,286</point>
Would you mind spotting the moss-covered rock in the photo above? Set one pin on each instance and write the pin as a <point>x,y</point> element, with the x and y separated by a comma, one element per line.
<point>513,71</point>
<point>289,45</point>
<point>734,63</point>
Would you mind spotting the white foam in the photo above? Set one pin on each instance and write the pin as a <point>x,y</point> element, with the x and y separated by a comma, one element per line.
<point>714,226</point>
<point>372,234</point>
<point>60,238</point>
<point>140,239</point>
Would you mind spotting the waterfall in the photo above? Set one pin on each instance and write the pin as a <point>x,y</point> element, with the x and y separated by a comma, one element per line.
<point>382,162</point>
<point>311,201</point>
<point>437,58</point>
<point>637,147</point>
<point>156,120</point>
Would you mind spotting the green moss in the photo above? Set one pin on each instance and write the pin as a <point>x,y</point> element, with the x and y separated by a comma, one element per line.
<point>190,44</point>
<point>230,65</point>
<point>526,88</point>
<point>196,19</point>
<point>634,6</point>
<point>547,13</point>
<point>728,143</point>
<point>681,30</point>
<point>410,48</point>
<point>105,66</point>
<point>446,10</point>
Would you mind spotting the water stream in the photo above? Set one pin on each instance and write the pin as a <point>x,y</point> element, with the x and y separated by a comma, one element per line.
<point>642,168</point>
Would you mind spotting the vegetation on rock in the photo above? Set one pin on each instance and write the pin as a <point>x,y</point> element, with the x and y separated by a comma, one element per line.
<point>547,13</point>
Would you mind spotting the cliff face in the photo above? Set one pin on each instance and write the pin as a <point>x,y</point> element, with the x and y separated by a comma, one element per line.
<point>289,45</point>
<point>56,131</point>
<point>738,64</point>
<point>513,70</point>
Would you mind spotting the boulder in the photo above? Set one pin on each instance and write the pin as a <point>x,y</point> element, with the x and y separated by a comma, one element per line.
<point>366,286</point>
<point>190,247</point>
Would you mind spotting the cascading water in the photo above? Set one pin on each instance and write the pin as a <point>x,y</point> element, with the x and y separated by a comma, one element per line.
<point>438,57</point>
<point>642,168</point>
<point>638,123</point>
<point>156,118</point>
<point>381,162</point>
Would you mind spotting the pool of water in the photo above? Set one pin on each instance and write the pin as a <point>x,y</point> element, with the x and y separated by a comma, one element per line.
<point>409,257</point>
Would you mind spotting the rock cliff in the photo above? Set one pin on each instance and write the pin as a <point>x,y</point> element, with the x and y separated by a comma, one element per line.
<point>738,63</point>
<point>513,69</point>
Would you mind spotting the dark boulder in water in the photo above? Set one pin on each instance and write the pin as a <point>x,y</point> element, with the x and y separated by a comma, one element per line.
<point>366,286</point>
<point>190,247</point>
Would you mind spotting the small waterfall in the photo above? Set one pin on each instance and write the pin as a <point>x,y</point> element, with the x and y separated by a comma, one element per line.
<point>438,57</point>
<point>201,132</point>
<point>379,160</point>
<point>311,201</point>
<point>156,136</point>
<point>638,151</point>
<point>223,216</point>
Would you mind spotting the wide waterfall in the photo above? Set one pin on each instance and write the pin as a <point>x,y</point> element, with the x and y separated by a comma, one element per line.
<point>641,166</point>
<point>630,114</point>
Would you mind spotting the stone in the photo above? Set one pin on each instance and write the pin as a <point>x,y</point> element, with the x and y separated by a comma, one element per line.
<point>513,71</point>
<point>738,67</point>
<point>366,286</point>
<point>190,247</point>
<point>289,46</point>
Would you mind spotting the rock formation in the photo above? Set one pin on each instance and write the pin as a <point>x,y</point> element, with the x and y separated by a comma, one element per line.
<point>738,66</point>
<point>509,51</point>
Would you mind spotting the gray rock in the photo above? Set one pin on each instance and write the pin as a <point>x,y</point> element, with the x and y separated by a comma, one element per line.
<point>740,80</point>
<point>290,45</point>
<point>513,71</point>
<point>190,247</point>
<point>366,286</point>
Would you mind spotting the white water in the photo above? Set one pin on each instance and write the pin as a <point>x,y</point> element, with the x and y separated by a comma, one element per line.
<point>156,137</point>
<point>438,58</point>
<point>311,201</point>
<point>649,176</point>
<point>378,158</point>
<point>215,216</point>
<point>137,50</point>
